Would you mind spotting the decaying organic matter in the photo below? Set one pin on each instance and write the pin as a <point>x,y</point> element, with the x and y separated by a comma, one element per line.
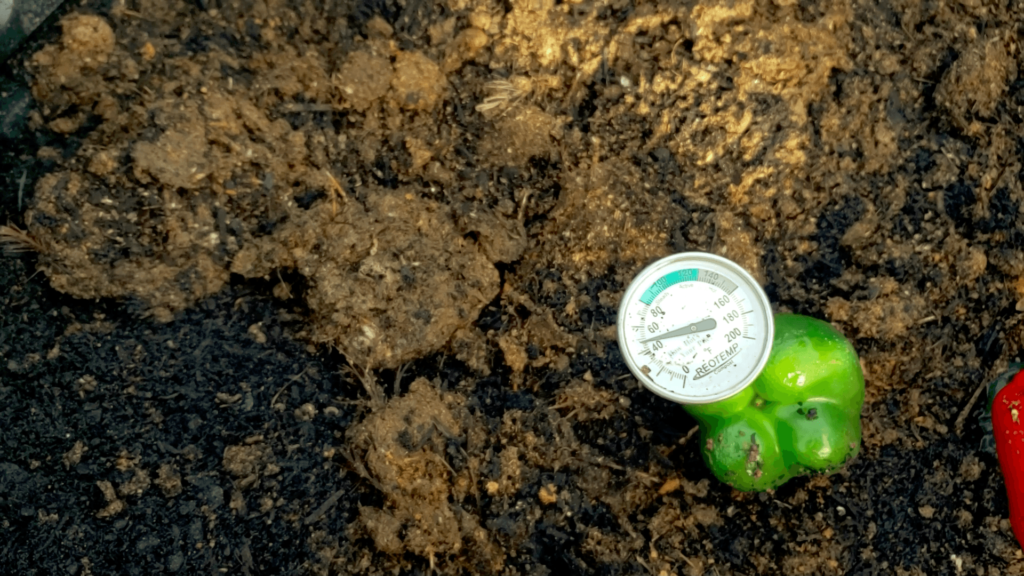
<point>223,195</point>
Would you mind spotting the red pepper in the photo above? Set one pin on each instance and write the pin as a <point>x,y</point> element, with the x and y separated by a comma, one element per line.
<point>1008,428</point>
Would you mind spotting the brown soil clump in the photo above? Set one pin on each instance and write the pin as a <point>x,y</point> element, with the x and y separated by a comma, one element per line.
<point>405,446</point>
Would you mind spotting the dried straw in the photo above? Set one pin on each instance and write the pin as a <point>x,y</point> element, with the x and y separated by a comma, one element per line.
<point>14,241</point>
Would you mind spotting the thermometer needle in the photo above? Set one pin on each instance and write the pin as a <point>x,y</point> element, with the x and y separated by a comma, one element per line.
<point>702,326</point>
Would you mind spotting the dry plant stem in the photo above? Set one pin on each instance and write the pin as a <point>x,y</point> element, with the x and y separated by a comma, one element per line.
<point>685,439</point>
<point>503,92</point>
<point>327,505</point>
<point>522,205</point>
<point>338,192</point>
<point>399,374</point>
<point>281,389</point>
<point>959,426</point>
<point>14,240</point>
<point>21,188</point>
<point>369,383</point>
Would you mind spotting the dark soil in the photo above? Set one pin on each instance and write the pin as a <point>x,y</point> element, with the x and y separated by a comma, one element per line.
<point>332,290</point>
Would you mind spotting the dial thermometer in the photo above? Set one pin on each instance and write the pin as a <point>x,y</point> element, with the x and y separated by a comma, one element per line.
<point>695,328</point>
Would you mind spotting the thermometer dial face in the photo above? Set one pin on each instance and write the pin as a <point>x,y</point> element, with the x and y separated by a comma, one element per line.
<point>695,328</point>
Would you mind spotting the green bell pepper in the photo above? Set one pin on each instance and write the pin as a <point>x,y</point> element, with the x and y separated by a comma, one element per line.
<point>801,415</point>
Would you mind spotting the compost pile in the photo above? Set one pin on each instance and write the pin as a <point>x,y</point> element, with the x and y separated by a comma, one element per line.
<point>330,288</point>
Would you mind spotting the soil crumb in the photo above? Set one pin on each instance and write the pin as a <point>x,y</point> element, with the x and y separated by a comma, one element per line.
<point>406,447</point>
